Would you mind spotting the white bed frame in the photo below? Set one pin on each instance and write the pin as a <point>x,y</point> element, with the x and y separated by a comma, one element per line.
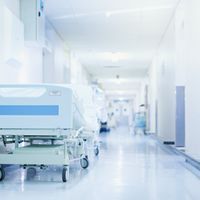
<point>29,113</point>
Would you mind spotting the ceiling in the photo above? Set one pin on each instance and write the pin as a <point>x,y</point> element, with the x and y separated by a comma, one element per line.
<point>112,37</point>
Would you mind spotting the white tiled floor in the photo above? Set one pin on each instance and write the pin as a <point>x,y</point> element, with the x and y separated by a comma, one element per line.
<point>129,167</point>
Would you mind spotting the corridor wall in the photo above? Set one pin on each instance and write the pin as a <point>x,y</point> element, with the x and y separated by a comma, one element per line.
<point>176,63</point>
<point>29,68</point>
<point>192,62</point>
<point>162,88</point>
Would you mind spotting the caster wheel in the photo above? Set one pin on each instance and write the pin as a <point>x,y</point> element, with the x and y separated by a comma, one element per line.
<point>2,174</point>
<point>31,172</point>
<point>84,163</point>
<point>65,174</point>
<point>96,151</point>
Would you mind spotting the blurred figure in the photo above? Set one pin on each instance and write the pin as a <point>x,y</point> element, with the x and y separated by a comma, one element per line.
<point>140,121</point>
<point>104,121</point>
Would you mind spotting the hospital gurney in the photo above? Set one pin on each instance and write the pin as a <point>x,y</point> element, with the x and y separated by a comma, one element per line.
<point>45,123</point>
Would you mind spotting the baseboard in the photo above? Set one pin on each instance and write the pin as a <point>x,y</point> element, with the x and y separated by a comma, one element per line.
<point>188,159</point>
<point>169,142</point>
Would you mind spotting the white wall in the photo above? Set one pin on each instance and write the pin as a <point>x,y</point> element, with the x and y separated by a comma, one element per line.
<point>180,44</point>
<point>58,57</point>
<point>28,67</point>
<point>31,69</point>
<point>14,6</point>
<point>152,97</point>
<point>179,53</point>
<point>162,87</point>
<point>185,72</point>
<point>187,68</point>
<point>26,70</point>
<point>78,72</point>
<point>36,64</point>
<point>192,49</point>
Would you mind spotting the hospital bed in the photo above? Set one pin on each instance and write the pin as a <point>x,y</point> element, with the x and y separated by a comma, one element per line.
<point>45,123</point>
<point>90,133</point>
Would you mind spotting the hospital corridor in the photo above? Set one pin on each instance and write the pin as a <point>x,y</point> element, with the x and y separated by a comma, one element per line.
<point>99,99</point>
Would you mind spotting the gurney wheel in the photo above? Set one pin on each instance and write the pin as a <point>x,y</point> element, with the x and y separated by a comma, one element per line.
<point>65,174</point>
<point>96,151</point>
<point>31,172</point>
<point>2,174</point>
<point>84,163</point>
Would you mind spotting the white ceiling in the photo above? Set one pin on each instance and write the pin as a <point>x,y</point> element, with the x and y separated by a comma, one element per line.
<point>98,30</point>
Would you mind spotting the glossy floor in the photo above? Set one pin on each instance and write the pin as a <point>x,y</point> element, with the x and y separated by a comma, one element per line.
<point>129,167</point>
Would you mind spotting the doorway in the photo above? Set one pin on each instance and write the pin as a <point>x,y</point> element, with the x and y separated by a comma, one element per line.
<point>180,116</point>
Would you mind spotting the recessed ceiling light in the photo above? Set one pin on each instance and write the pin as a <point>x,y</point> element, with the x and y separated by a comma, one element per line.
<point>108,14</point>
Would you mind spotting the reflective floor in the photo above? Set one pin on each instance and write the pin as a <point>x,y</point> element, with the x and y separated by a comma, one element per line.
<point>129,167</point>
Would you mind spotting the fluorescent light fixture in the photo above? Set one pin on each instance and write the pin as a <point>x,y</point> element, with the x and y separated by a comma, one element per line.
<point>115,57</point>
<point>121,92</point>
<point>111,67</point>
<point>115,12</point>
<point>138,10</point>
<point>124,80</point>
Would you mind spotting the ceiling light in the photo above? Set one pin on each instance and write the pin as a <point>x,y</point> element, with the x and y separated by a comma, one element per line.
<point>120,92</point>
<point>108,14</point>
<point>115,57</point>
<point>112,67</point>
